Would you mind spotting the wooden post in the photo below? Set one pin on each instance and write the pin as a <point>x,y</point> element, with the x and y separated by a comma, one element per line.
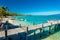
<point>34,31</point>
<point>55,27</point>
<point>41,28</point>
<point>49,29</point>
<point>20,26</point>
<point>6,36</point>
<point>40,33</point>
<point>35,34</point>
<point>58,27</point>
<point>27,34</point>
<point>19,36</point>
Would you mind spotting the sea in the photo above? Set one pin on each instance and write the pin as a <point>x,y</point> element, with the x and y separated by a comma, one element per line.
<point>36,19</point>
<point>39,19</point>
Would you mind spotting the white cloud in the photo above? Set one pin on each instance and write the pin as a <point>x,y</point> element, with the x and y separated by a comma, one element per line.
<point>45,13</point>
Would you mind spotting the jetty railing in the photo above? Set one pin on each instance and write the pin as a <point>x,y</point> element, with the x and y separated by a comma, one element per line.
<point>6,33</point>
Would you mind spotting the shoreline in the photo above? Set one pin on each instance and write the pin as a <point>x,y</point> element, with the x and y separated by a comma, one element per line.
<point>25,23</point>
<point>14,22</point>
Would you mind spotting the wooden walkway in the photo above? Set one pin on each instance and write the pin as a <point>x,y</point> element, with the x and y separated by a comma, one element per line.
<point>19,30</point>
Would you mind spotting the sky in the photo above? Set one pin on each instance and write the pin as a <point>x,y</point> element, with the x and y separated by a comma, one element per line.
<point>33,7</point>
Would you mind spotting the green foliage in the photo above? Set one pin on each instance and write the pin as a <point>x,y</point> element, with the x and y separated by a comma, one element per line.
<point>4,11</point>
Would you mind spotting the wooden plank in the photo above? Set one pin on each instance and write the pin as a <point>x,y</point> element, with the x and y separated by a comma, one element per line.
<point>19,30</point>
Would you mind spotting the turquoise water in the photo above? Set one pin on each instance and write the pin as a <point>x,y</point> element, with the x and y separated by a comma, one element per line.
<point>36,19</point>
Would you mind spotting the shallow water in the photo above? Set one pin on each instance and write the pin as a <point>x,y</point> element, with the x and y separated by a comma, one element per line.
<point>55,36</point>
<point>39,20</point>
<point>36,19</point>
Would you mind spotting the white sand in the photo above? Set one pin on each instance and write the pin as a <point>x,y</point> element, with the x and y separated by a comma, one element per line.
<point>23,23</point>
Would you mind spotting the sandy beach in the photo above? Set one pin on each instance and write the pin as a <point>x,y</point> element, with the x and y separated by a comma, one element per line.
<point>18,23</point>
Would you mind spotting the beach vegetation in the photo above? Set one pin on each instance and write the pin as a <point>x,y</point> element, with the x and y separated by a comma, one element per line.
<point>4,11</point>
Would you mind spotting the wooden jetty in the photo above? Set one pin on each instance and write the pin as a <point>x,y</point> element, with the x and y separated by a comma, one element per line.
<point>19,30</point>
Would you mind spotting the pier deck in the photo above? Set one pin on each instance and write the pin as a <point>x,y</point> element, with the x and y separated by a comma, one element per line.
<point>19,30</point>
